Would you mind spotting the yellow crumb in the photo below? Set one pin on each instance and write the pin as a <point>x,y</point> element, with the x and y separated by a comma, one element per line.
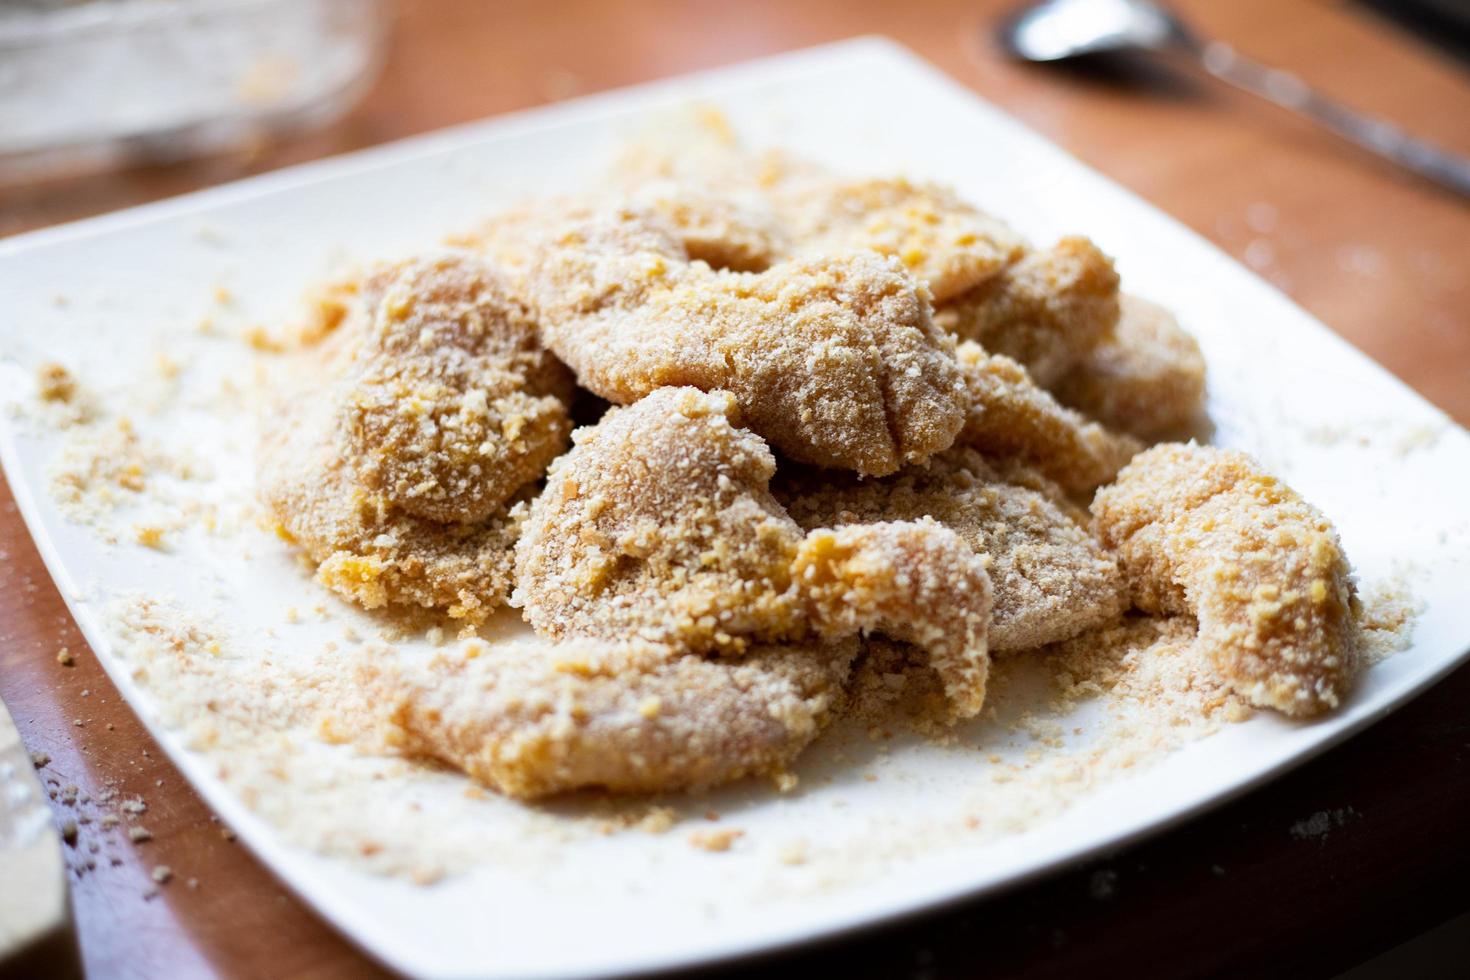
<point>262,340</point>
<point>56,383</point>
<point>658,820</point>
<point>715,841</point>
<point>167,367</point>
<point>149,536</point>
<point>793,852</point>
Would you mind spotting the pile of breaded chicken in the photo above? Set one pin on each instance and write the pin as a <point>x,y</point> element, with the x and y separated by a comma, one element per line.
<point>723,427</point>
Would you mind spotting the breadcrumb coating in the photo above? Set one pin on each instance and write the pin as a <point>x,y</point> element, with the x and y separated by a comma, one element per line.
<point>327,306</point>
<point>532,719</point>
<point>833,359</point>
<point>455,405</point>
<point>1010,416</point>
<point>1145,377</point>
<point>397,448</point>
<point>371,554</point>
<point>367,550</point>
<point>1158,659</point>
<point>1046,311</point>
<point>1206,531</point>
<point>1051,578</point>
<point>727,229</point>
<point>659,524</point>
<point>913,581</point>
<point>942,240</point>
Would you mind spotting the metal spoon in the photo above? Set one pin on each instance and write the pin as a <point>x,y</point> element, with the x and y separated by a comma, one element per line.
<point>1054,30</point>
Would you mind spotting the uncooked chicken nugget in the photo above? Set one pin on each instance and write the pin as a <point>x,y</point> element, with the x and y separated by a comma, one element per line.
<point>659,524</point>
<point>454,404</point>
<point>375,556</point>
<point>1145,377</point>
<point>1046,311</point>
<point>1009,415</point>
<point>728,229</point>
<point>366,549</point>
<point>731,228</point>
<point>834,359</point>
<point>531,718</point>
<point>943,241</point>
<point>1051,578</point>
<point>914,581</point>
<point>1205,531</point>
<point>400,441</point>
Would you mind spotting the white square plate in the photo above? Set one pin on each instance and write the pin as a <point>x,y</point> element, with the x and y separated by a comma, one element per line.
<point>1386,467</point>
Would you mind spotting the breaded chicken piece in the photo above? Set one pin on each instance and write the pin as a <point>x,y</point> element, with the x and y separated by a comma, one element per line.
<point>618,545</point>
<point>372,554</point>
<point>396,450</point>
<point>1205,531</point>
<point>834,360</point>
<point>367,550</point>
<point>941,240</point>
<point>454,403</point>
<point>728,229</point>
<point>913,581</point>
<point>1051,578</point>
<point>659,524</point>
<point>1046,311</point>
<point>1145,377</point>
<point>1010,415</point>
<point>531,718</point>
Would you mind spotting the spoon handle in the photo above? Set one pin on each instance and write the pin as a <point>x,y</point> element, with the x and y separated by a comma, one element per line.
<point>1374,135</point>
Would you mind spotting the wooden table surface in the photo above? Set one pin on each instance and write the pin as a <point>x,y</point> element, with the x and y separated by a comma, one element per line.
<point>1332,864</point>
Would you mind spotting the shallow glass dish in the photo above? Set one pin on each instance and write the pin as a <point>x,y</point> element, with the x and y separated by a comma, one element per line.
<point>96,83</point>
